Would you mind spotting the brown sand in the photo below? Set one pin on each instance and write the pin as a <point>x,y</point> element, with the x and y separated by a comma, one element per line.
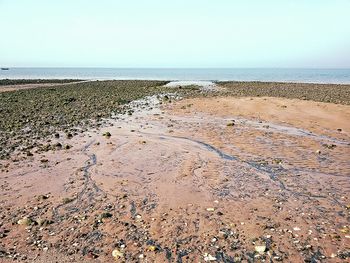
<point>186,182</point>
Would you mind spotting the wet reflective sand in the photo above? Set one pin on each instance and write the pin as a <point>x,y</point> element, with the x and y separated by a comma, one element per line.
<point>206,179</point>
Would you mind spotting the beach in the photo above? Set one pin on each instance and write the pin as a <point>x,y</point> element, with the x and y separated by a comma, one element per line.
<point>146,171</point>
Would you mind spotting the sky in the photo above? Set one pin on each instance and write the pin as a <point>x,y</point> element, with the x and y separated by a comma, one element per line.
<point>175,33</point>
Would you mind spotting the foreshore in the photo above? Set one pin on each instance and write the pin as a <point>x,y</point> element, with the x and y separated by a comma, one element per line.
<point>140,171</point>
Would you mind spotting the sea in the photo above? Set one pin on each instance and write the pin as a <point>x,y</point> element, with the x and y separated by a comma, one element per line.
<point>336,76</point>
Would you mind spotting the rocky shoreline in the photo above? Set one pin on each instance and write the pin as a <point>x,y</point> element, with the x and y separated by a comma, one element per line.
<point>174,174</point>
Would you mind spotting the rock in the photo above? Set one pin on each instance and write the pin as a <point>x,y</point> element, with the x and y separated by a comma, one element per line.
<point>44,222</point>
<point>260,249</point>
<point>152,248</point>
<point>296,228</point>
<point>107,134</point>
<point>91,255</point>
<point>277,161</point>
<point>117,254</point>
<point>210,209</point>
<point>329,146</point>
<point>237,259</point>
<point>67,147</point>
<point>25,221</point>
<point>230,124</point>
<point>344,230</point>
<point>208,257</point>
<point>3,232</point>
<point>105,215</point>
<point>138,216</point>
<point>58,145</point>
<point>67,200</point>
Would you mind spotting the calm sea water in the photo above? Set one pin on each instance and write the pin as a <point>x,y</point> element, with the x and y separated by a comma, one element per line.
<point>235,74</point>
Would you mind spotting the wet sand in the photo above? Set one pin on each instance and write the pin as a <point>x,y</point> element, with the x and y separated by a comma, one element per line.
<point>204,179</point>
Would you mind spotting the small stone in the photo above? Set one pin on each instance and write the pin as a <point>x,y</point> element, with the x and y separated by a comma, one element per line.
<point>66,200</point>
<point>152,248</point>
<point>208,257</point>
<point>237,259</point>
<point>44,222</point>
<point>107,134</point>
<point>329,146</point>
<point>25,221</point>
<point>260,249</point>
<point>67,147</point>
<point>296,228</point>
<point>105,215</point>
<point>91,255</point>
<point>58,145</point>
<point>344,230</point>
<point>117,254</point>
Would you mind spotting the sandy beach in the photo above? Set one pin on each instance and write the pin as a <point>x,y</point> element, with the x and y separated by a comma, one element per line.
<point>177,174</point>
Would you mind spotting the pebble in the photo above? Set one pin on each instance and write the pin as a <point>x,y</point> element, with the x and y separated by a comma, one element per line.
<point>25,221</point>
<point>210,209</point>
<point>208,257</point>
<point>117,254</point>
<point>260,249</point>
<point>152,248</point>
<point>138,216</point>
<point>107,134</point>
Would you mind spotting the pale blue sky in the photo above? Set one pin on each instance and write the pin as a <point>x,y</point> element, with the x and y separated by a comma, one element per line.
<point>175,33</point>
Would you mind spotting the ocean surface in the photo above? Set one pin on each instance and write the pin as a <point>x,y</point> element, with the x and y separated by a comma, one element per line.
<point>341,76</point>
